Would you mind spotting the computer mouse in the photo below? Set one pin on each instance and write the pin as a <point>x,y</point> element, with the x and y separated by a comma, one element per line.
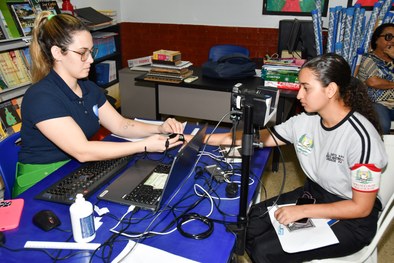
<point>46,220</point>
<point>231,190</point>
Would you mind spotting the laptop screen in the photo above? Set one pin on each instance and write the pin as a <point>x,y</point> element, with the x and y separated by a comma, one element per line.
<point>183,164</point>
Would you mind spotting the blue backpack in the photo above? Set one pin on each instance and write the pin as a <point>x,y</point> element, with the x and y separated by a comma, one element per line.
<point>232,66</point>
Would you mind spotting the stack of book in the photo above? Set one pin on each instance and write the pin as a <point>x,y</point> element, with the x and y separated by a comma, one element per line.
<point>282,74</point>
<point>168,66</point>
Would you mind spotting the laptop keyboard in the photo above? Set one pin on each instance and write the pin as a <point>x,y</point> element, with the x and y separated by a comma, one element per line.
<point>147,194</point>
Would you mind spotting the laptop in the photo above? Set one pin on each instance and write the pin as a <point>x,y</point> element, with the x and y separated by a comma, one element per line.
<point>148,175</point>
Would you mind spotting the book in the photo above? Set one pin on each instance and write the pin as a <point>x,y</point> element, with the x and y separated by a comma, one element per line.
<point>50,6</point>
<point>12,70</point>
<point>105,72</point>
<point>4,26</point>
<point>139,61</point>
<point>105,42</point>
<point>10,118</point>
<point>92,17</point>
<point>24,16</point>
<point>3,85</point>
<point>282,85</point>
<point>8,20</point>
<point>183,64</point>
<point>170,75</point>
<point>166,55</point>
<point>2,32</point>
<point>280,77</point>
<point>166,62</point>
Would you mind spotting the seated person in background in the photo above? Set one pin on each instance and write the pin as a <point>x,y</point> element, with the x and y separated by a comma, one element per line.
<point>63,109</point>
<point>377,71</point>
<point>335,140</point>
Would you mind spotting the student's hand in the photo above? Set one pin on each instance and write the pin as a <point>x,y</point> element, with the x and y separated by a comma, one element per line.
<point>289,214</point>
<point>160,143</point>
<point>389,51</point>
<point>171,126</point>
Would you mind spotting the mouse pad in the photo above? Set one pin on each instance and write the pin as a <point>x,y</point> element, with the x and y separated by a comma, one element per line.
<point>10,213</point>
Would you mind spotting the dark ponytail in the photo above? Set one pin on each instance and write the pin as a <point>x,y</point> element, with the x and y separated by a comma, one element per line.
<point>331,67</point>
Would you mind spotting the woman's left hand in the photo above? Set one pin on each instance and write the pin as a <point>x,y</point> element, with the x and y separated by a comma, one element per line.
<point>171,125</point>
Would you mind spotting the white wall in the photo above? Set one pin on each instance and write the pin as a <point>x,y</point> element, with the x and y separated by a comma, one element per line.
<point>242,13</point>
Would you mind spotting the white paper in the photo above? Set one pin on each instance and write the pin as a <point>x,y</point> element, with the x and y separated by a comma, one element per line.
<point>147,254</point>
<point>304,239</point>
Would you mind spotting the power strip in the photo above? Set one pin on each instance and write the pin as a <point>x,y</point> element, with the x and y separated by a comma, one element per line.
<point>61,245</point>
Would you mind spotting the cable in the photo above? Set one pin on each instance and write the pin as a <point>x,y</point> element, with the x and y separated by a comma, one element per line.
<point>284,173</point>
<point>193,216</point>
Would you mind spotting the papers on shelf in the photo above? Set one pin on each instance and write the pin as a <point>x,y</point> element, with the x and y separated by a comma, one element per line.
<point>146,254</point>
<point>304,239</point>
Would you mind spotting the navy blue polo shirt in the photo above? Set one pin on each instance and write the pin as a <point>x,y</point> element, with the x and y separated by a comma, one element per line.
<point>52,98</point>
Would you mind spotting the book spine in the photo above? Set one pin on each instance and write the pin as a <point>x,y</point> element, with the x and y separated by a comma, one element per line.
<point>165,62</point>
<point>279,77</point>
<point>166,57</point>
<point>282,85</point>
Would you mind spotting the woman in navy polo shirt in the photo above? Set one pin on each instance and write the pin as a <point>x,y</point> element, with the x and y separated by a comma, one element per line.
<point>62,109</point>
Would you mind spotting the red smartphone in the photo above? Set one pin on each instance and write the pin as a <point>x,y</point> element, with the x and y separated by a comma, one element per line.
<point>10,213</point>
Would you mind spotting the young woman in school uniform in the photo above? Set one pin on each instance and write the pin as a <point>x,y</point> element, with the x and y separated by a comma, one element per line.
<point>63,109</point>
<point>336,140</point>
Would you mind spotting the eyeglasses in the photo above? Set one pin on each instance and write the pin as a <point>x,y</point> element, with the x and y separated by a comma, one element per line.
<point>85,54</point>
<point>387,37</point>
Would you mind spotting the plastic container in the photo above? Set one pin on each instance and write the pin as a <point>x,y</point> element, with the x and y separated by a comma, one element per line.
<point>67,7</point>
<point>82,220</point>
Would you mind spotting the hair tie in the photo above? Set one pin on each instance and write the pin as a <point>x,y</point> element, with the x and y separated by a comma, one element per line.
<point>50,16</point>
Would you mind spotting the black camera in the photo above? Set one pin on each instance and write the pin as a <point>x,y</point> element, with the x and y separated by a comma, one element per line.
<point>264,101</point>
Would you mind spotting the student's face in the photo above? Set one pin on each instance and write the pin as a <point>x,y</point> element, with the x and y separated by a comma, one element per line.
<point>312,95</point>
<point>76,64</point>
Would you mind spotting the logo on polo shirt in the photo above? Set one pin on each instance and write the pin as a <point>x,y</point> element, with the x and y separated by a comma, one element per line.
<point>95,110</point>
<point>305,144</point>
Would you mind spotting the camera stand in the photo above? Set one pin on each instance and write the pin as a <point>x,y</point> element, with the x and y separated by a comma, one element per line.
<point>247,151</point>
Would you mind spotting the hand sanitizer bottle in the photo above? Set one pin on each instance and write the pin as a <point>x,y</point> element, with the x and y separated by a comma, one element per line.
<point>82,220</point>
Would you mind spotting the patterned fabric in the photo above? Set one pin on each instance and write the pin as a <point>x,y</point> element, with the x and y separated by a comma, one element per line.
<point>372,66</point>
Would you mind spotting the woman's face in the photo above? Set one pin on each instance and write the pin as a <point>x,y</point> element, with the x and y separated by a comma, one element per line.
<point>77,60</point>
<point>312,94</point>
<point>384,40</point>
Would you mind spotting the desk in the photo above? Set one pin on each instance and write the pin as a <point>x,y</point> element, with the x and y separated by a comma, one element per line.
<point>216,248</point>
<point>205,98</point>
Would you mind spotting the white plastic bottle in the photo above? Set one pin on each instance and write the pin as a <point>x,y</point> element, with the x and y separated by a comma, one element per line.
<point>82,220</point>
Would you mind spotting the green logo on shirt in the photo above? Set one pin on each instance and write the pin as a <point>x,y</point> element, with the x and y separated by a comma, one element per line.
<point>305,144</point>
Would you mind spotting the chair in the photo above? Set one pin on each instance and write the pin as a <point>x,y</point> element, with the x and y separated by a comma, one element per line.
<point>9,150</point>
<point>386,192</point>
<point>218,51</point>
